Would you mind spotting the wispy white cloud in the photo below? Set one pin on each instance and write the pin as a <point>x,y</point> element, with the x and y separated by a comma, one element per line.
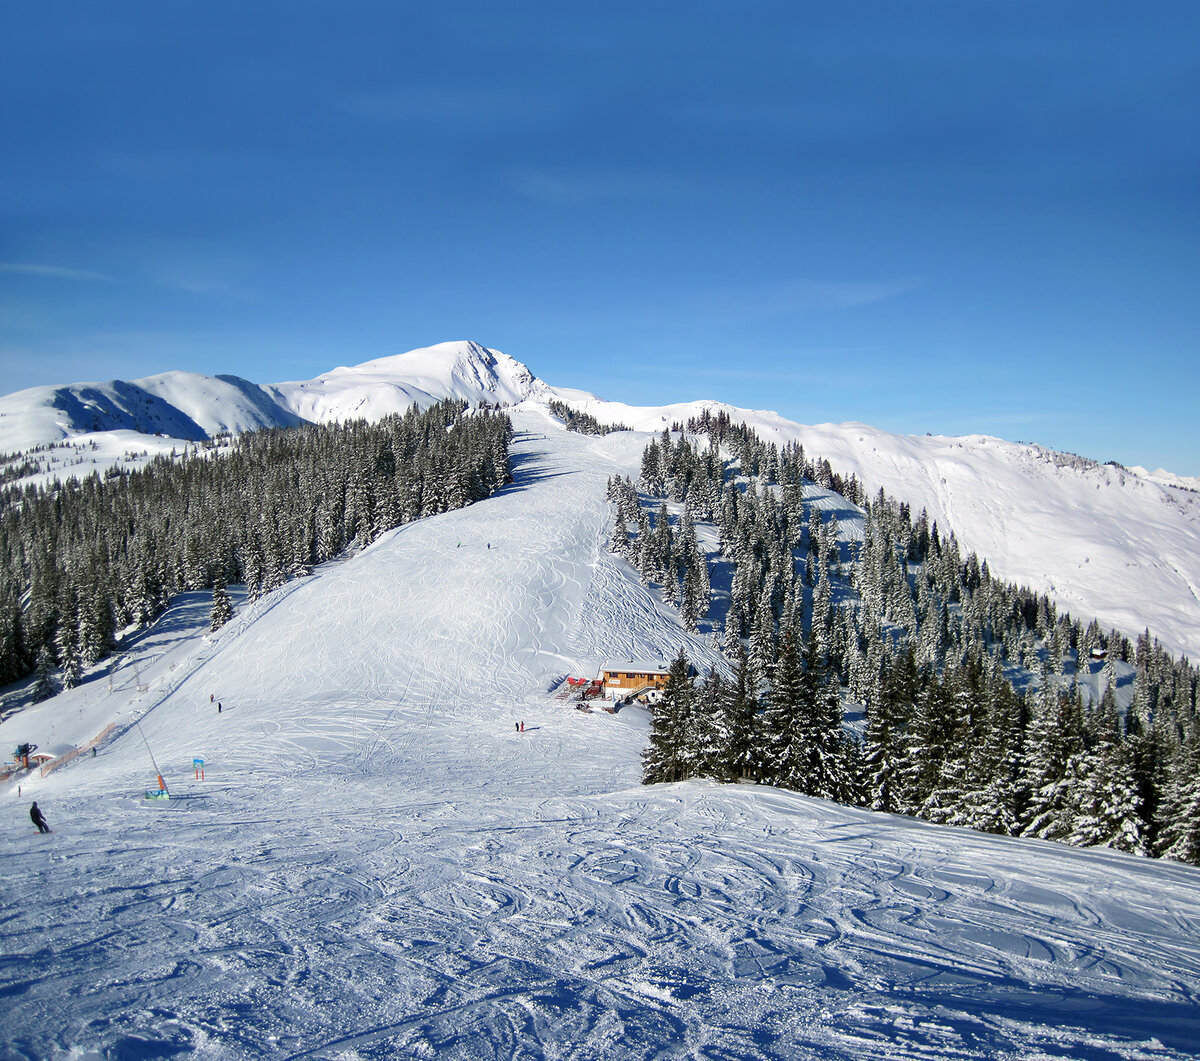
<point>176,273</point>
<point>744,302</point>
<point>52,272</point>
<point>808,294</point>
<point>574,189</point>
<point>201,269</point>
<point>200,284</point>
<point>806,374</point>
<point>453,105</point>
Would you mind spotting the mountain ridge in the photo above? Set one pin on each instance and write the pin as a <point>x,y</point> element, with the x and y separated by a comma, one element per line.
<point>365,855</point>
<point>1102,541</point>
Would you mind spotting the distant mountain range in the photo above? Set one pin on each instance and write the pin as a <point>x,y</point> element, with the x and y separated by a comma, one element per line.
<point>191,407</point>
<point>1121,545</point>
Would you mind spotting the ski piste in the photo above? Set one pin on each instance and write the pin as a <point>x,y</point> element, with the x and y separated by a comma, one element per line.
<point>378,864</point>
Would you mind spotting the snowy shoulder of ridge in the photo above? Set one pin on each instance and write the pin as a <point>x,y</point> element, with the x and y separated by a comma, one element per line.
<point>422,377</point>
<point>1119,545</point>
<point>187,406</point>
<point>1166,478</point>
<point>1099,540</point>
<point>771,427</point>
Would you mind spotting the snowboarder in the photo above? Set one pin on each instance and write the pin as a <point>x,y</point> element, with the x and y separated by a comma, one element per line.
<point>39,819</point>
<point>518,725</point>
<point>218,707</point>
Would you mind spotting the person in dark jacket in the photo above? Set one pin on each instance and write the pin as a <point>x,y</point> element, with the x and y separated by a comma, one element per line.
<point>39,819</point>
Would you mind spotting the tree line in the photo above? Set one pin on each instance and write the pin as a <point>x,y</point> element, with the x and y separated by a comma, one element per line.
<point>80,560</point>
<point>581,422</point>
<point>977,694</point>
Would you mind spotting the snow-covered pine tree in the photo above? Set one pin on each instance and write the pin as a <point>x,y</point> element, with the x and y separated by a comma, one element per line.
<point>651,478</point>
<point>694,599</point>
<point>1179,809</point>
<point>1104,798</point>
<point>820,746</point>
<point>948,735</point>
<point>43,686</point>
<point>778,747</point>
<point>923,747</point>
<point>822,616</point>
<point>222,606</point>
<point>993,797</point>
<point>662,759</point>
<point>68,643</point>
<point>271,549</point>
<point>12,638</point>
<point>618,541</point>
<point>708,732</point>
<point>96,624</point>
<point>741,756</point>
<point>888,713</point>
<point>1054,740</point>
<point>731,634</point>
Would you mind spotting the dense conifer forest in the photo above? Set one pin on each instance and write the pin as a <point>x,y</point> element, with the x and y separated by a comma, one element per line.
<point>581,422</point>
<point>81,560</point>
<point>983,706</point>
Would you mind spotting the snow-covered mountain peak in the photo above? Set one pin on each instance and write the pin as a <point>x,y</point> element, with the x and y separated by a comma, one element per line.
<point>376,388</point>
<point>462,365</point>
<point>459,360</point>
<point>187,406</point>
<point>1122,545</point>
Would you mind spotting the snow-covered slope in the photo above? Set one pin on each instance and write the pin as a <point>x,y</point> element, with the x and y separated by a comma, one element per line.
<point>187,406</point>
<point>1103,542</point>
<point>378,864</point>
<point>420,377</point>
<point>180,405</point>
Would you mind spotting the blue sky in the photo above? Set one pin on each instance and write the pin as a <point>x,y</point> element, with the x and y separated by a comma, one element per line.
<point>949,217</point>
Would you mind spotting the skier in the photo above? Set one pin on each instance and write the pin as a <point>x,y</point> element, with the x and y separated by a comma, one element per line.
<point>39,819</point>
<point>218,707</point>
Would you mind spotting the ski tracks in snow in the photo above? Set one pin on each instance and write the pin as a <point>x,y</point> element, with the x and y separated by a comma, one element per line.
<point>380,866</point>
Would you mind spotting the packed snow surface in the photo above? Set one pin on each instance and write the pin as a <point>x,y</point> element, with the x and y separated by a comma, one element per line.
<point>379,864</point>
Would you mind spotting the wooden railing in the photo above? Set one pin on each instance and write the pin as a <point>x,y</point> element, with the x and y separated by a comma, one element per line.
<point>75,753</point>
